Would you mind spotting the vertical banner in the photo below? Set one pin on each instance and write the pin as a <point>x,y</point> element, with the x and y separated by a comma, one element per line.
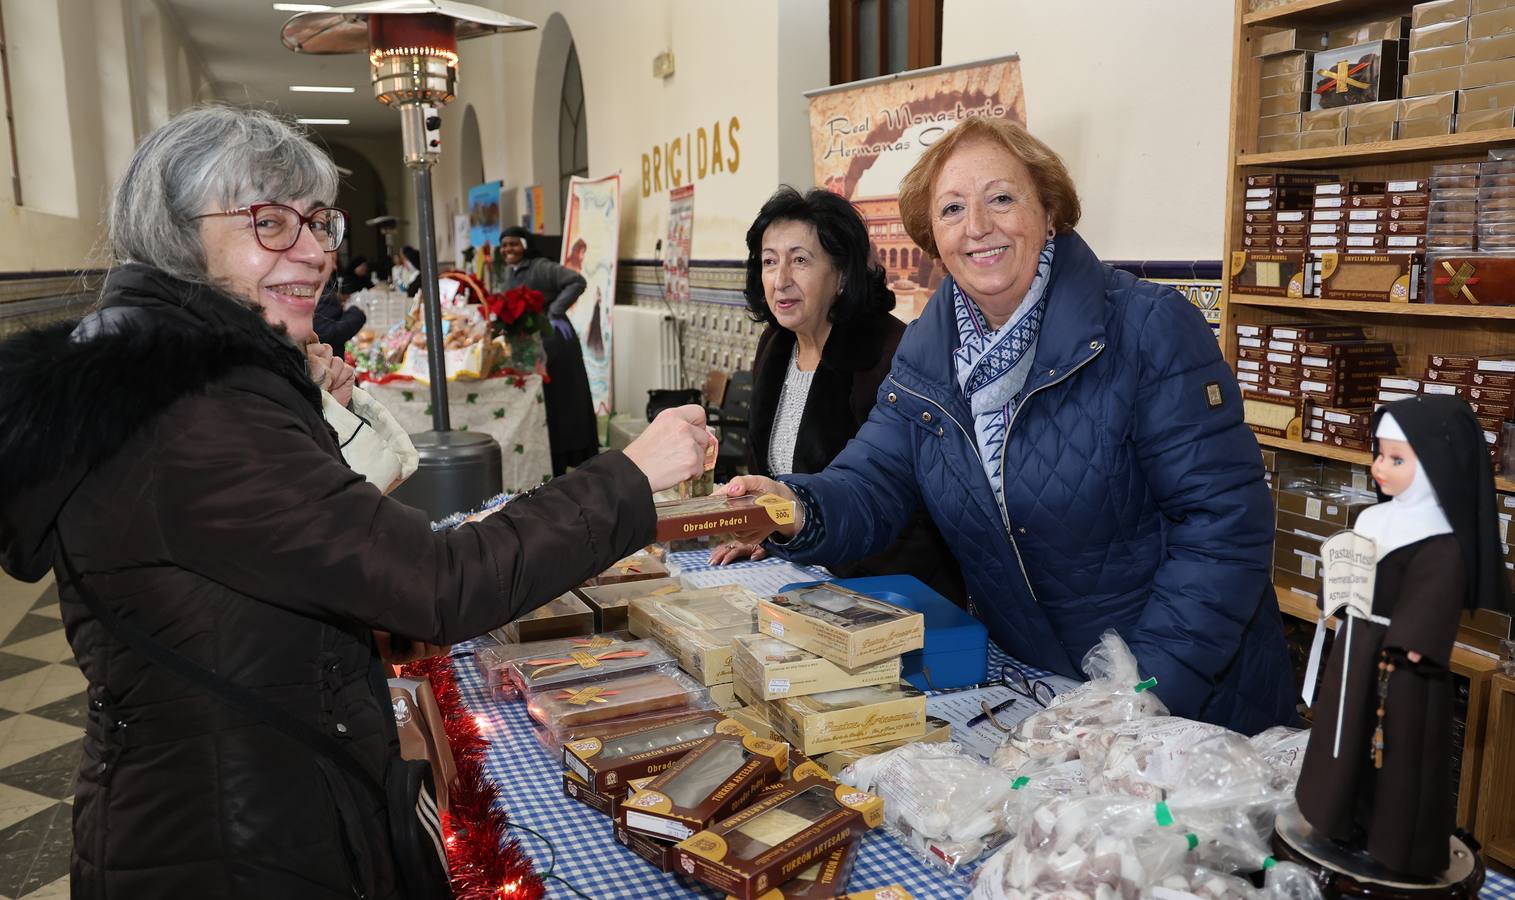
<point>484,215</point>
<point>865,136</point>
<point>461,241</point>
<point>680,239</point>
<point>533,210</point>
<point>591,238</point>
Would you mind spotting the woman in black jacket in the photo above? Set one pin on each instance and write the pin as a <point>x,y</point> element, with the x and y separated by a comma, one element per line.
<point>171,447</point>
<point>828,345</point>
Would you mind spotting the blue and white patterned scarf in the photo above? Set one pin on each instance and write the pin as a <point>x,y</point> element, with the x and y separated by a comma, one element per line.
<point>992,367</point>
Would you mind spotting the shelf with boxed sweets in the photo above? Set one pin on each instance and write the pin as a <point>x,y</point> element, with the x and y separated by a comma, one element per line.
<point>1323,13</point>
<point>1352,456</point>
<point>1375,308</point>
<point>1432,147</point>
<point>847,627</point>
<point>775,838</point>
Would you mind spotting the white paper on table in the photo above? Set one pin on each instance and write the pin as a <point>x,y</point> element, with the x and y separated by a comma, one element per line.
<point>982,739</point>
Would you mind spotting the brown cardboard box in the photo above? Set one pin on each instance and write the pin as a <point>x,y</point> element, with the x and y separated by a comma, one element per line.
<point>1285,124</point>
<point>1421,128</point>
<point>658,852</point>
<point>1278,143</point>
<point>604,804</point>
<point>1436,58</point>
<point>1282,105</point>
<point>1324,119</point>
<point>610,602</point>
<point>1296,553</point>
<point>1492,24</point>
<point>1269,274</point>
<point>1369,134</point>
<point>759,847</point>
<point>1292,581</point>
<point>1434,12</point>
<point>772,669</point>
<point>1485,6</point>
<point>1490,48</point>
<point>566,616</point>
<point>680,519</point>
<point>715,778</point>
<point>1485,120</point>
<point>1381,112</point>
<point>1392,28</point>
<point>1431,106</point>
<point>837,720</point>
<point>606,758</point>
<point>636,567</point>
<point>1287,64</point>
<point>1442,35</point>
<point>1498,96</point>
<point>1483,74</point>
<point>1294,84</point>
<point>1322,140</point>
<point>826,879</point>
<point>1326,507</point>
<point>1289,40</point>
<point>1436,81</point>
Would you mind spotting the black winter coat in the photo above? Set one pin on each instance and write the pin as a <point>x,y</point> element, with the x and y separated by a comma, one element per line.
<point>854,361</point>
<point>180,453</point>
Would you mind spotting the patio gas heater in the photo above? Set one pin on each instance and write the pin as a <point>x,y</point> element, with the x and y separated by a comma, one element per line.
<point>412,48</point>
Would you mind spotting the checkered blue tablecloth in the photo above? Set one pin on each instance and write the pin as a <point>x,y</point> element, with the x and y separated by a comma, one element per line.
<point>530,780</point>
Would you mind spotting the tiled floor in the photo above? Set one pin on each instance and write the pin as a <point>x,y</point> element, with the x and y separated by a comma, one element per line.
<point>42,712</point>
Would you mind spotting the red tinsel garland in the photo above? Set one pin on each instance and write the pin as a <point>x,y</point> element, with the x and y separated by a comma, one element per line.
<point>486,864</point>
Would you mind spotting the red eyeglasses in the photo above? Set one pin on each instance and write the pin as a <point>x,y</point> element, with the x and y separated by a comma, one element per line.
<point>277,227</point>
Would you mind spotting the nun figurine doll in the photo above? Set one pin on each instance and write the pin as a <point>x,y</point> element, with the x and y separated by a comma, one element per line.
<point>1377,771</point>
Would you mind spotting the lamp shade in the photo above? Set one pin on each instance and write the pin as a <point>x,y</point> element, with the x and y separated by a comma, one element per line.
<point>345,29</point>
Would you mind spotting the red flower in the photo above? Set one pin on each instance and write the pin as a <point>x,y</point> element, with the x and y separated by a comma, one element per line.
<point>515,305</point>
<point>529,299</point>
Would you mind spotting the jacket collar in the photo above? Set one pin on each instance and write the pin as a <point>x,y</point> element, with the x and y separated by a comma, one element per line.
<point>1073,328</point>
<point>852,346</point>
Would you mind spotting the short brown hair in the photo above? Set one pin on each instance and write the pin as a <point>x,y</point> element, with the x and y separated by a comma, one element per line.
<point>1054,186</point>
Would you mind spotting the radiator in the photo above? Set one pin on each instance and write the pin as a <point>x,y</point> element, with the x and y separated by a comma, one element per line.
<point>646,355</point>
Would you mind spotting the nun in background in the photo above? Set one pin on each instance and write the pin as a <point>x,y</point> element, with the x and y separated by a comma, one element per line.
<point>572,428</point>
<point>1377,772</point>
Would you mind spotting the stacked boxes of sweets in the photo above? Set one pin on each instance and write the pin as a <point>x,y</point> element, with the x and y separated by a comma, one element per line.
<point>824,673</point>
<point>1275,234</point>
<point>1471,247</point>
<point>698,627</point>
<point>1284,87</point>
<point>1376,252</point>
<point>1311,509</point>
<point>1433,69</point>
<point>1488,384</point>
<point>1354,85</point>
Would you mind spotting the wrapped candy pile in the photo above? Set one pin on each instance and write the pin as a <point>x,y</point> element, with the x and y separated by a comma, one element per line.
<point>1101,795</point>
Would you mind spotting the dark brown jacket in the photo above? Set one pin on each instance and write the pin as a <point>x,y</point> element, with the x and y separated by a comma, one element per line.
<point>179,452</point>
<point>854,362</point>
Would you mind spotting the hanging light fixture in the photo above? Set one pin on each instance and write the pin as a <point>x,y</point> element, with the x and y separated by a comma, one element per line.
<point>412,48</point>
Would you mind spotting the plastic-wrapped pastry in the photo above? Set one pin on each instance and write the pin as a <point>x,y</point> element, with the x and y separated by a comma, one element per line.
<point>945,805</point>
<point>571,665</point>
<point>640,693</point>
<point>1284,749</point>
<point>494,655</point>
<point>1114,693</point>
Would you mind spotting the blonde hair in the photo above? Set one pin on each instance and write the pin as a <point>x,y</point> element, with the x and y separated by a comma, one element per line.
<point>1054,186</point>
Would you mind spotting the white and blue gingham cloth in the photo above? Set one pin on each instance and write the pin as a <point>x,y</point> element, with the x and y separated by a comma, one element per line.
<point>530,782</point>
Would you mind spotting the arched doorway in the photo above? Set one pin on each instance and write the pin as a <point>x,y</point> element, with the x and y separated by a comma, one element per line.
<point>470,150</point>
<point>548,166</point>
<point>573,130</point>
<point>362,195</point>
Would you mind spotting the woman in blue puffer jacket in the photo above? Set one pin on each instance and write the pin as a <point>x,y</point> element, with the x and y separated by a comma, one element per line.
<point>1076,436</point>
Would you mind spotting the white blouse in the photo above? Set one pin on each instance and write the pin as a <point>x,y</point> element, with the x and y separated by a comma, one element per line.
<point>786,420</point>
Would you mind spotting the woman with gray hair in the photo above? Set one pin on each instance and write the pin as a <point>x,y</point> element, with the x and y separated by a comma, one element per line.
<point>221,570</point>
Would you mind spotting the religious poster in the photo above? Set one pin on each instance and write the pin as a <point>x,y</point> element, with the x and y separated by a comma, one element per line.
<point>680,239</point>
<point>866,135</point>
<point>591,237</point>
<point>484,214</point>
<point>533,209</point>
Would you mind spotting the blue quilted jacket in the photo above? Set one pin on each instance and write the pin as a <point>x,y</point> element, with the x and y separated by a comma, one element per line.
<point>1134,493</point>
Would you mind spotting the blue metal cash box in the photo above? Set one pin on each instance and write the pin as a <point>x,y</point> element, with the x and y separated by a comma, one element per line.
<point>957,645</point>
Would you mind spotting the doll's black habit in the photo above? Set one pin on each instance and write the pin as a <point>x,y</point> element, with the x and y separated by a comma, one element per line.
<point>1402,814</point>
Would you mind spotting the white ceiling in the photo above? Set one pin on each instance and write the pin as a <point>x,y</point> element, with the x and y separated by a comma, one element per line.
<point>238,41</point>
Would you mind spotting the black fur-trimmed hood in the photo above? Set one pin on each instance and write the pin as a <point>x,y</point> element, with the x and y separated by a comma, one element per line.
<point>72,394</point>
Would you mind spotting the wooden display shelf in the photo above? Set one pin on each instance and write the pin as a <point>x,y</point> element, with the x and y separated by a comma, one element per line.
<point>1364,307</point>
<point>1316,11</point>
<point>1496,814</point>
<point>1477,809</point>
<point>1340,453</point>
<point>1444,146</point>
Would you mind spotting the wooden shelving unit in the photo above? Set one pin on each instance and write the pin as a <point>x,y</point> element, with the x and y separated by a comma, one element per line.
<point>1417,329</point>
<point>1496,815</point>
<point>1473,807</point>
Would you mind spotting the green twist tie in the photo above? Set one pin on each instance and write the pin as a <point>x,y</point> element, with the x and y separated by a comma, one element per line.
<point>1163,816</point>
<point>1145,685</point>
<point>1269,863</point>
<point>1019,783</point>
<point>1193,840</point>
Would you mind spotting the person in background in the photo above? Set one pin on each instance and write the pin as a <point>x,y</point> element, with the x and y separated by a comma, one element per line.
<point>358,276</point>
<point>572,428</point>
<point>336,322</point>
<point>828,345</point>
<point>1076,436</point>
<point>406,273</point>
<point>170,448</point>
